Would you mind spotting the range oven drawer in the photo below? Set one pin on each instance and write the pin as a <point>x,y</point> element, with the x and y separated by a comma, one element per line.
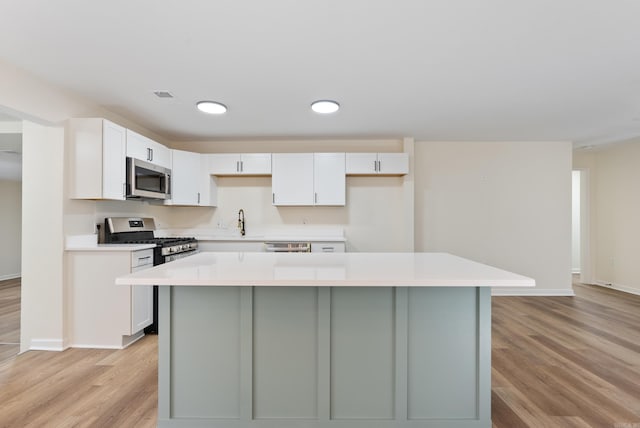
<point>141,258</point>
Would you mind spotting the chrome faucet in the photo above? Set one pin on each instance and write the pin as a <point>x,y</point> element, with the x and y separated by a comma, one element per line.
<point>241,222</point>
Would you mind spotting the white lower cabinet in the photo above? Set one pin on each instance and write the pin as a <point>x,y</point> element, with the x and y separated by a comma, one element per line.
<point>141,295</point>
<point>102,314</point>
<point>328,247</point>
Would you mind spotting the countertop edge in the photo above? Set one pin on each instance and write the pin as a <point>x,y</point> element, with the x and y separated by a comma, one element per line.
<point>111,247</point>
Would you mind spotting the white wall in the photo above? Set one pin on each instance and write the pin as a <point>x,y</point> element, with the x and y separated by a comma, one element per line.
<point>42,303</point>
<point>615,210</point>
<point>10,228</point>
<point>501,203</point>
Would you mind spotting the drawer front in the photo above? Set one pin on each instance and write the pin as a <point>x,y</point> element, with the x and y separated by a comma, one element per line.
<point>141,258</point>
<point>327,247</point>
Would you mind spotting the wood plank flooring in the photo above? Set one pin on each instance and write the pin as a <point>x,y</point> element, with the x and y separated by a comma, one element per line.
<point>557,362</point>
<point>567,361</point>
<point>81,388</point>
<point>9,318</point>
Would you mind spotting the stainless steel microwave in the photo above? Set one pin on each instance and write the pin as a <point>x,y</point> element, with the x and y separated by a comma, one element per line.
<point>147,181</point>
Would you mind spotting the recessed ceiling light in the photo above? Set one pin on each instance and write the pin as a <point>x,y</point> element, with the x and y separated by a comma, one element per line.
<point>211,107</point>
<point>325,106</point>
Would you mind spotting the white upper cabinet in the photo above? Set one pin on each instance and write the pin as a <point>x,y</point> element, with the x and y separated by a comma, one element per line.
<point>185,178</point>
<point>329,181</point>
<point>191,184</point>
<point>377,163</point>
<point>305,179</point>
<point>98,159</point>
<point>208,196</point>
<point>141,147</point>
<point>240,164</point>
<point>292,178</point>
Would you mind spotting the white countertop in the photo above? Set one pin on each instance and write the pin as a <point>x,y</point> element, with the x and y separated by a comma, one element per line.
<point>326,269</point>
<point>111,247</point>
<point>307,233</point>
<point>270,238</point>
<point>90,243</point>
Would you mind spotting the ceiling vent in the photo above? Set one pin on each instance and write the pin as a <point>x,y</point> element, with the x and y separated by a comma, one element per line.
<point>163,94</point>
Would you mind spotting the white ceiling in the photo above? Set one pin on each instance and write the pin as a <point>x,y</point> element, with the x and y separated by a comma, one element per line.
<point>429,69</point>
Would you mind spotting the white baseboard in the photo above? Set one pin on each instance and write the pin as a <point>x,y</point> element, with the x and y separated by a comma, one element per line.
<point>90,346</point>
<point>618,287</point>
<point>47,345</point>
<point>575,271</point>
<point>532,292</point>
<point>10,276</point>
<point>126,341</point>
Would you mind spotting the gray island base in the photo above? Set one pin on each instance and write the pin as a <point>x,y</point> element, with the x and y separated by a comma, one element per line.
<point>277,355</point>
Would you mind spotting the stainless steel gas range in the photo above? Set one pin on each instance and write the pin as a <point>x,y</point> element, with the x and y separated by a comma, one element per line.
<point>137,230</point>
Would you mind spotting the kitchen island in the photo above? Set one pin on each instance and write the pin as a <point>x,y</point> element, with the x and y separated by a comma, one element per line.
<point>314,340</point>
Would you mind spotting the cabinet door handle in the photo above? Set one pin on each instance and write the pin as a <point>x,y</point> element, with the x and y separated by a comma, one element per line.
<point>124,190</point>
<point>315,198</point>
<point>241,166</point>
<point>151,150</point>
<point>198,197</point>
<point>148,154</point>
<point>273,198</point>
<point>375,166</point>
<point>379,166</point>
<point>237,166</point>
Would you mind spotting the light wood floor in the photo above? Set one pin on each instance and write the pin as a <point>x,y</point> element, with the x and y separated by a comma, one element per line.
<point>9,318</point>
<point>557,362</point>
<point>567,361</point>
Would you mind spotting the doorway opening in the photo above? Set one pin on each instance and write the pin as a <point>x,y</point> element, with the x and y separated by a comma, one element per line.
<point>11,232</point>
<point>576,261</point>
<point>580,259</point>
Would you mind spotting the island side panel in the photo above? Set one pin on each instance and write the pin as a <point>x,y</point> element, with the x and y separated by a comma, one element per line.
<point>362,353</point>
<point>443,369</point>
<point>285,353</point>
<point>205,357</point>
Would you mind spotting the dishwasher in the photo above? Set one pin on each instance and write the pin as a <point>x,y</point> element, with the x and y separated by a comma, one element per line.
<point>287,247</point>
